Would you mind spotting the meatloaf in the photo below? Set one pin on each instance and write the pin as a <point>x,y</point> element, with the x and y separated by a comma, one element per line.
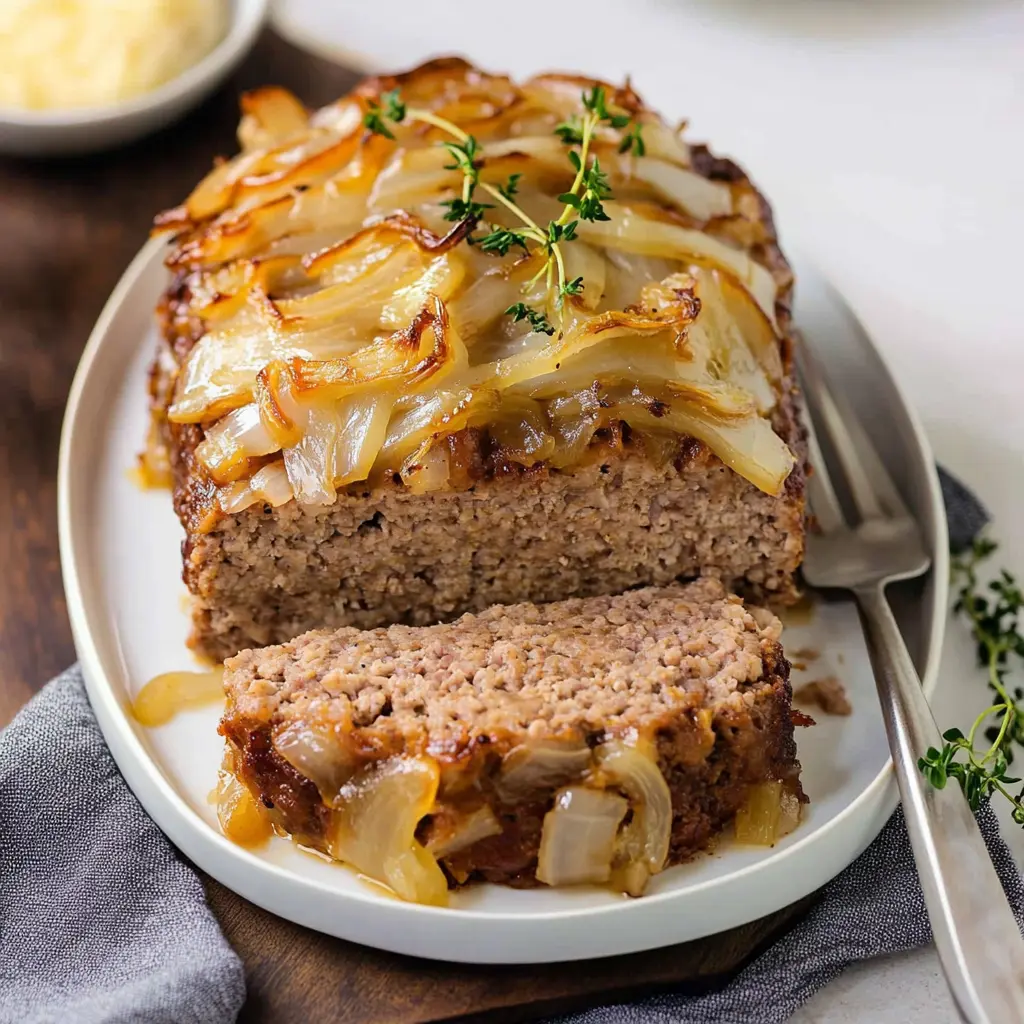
<point>589,740</point>
<point>364,426</point>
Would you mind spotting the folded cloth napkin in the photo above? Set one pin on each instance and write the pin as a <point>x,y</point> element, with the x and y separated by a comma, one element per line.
<point>102,922</point>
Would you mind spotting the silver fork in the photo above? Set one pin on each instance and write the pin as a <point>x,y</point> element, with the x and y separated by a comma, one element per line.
<point>978,940</point>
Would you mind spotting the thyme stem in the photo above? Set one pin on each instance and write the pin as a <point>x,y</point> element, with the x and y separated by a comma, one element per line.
<point>583,200</point>
<point>993,612</point>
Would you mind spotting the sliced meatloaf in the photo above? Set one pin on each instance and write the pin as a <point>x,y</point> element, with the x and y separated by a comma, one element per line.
<point>587,740</point>
<point>642,430</point>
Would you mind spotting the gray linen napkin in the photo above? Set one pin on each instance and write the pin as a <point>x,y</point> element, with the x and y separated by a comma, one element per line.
<point>102,922</point>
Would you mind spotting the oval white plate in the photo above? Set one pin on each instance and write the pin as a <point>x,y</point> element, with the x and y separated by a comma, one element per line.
<point>119,548</point>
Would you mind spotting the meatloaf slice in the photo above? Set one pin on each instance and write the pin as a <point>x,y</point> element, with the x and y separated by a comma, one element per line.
<point>596,739</point>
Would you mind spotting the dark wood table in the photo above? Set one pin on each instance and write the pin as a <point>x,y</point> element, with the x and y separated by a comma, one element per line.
<point>68,229</point>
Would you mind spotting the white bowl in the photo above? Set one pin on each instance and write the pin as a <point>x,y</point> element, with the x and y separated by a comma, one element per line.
<point>87,129</point>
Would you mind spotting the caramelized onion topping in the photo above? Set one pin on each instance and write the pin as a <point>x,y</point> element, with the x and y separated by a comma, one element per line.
<point>354,329</point>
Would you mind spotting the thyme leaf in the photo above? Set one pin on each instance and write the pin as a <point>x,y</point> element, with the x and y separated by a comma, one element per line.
<point>538,321</point>
<point>500,240</point>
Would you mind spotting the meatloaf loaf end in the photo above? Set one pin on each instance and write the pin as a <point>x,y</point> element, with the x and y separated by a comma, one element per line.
<point>664,444</point>
<point>588,740</point>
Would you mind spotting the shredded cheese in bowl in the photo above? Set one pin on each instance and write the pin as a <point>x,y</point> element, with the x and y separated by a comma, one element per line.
<point>57,54</point>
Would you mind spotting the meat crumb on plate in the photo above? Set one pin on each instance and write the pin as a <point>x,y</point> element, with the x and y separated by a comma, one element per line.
<point>828,694</point>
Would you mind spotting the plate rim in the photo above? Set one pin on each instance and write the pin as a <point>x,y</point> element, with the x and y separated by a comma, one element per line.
<point>215,854</point>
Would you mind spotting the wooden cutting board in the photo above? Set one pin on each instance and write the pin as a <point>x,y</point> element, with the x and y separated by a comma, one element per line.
<point>69,229</point>
<point>296,976</point>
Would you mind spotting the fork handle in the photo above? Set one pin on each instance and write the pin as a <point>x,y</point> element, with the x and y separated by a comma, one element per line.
<point>978,940</point>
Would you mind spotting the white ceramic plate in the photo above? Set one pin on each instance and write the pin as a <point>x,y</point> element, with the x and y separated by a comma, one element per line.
<point>119,547</point>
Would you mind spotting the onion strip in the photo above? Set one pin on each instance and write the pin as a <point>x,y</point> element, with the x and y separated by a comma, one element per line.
<point>578,836</point>
<point>374,828</point>
<point>633,767</point>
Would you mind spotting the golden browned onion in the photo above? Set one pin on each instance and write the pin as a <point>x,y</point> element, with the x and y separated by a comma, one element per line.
<point>585,332</point>
<point>230,443</point>
<point>425,348</point>
<point>269,484</point>
<point>748,446</point>
<point>465,831</point>
<point>769,812</point>
<point>270,116</point>
<point>239,813</point>
<point>541,765</point>
<point>427,417</point>
<point>339,443</point>
<point>336,204</point>
<point>642,847</point>
<point>223,293</point>
<point>521,432</point>
<point>641,235</point>
<point>314,751</point>
<point>354,330</point>
<point>263,174</point>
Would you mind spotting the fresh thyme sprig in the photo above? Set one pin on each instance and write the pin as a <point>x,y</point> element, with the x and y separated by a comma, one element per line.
<point>390,108</point>
<point>511,187</point>
<point>538,321</point>
<point>500,240</point>
<point>996,628</point>
<point>465,153</point>
<point>584,199</point>
<point>595,103</point>
<point>466,156</point>
<point>595,187</point>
